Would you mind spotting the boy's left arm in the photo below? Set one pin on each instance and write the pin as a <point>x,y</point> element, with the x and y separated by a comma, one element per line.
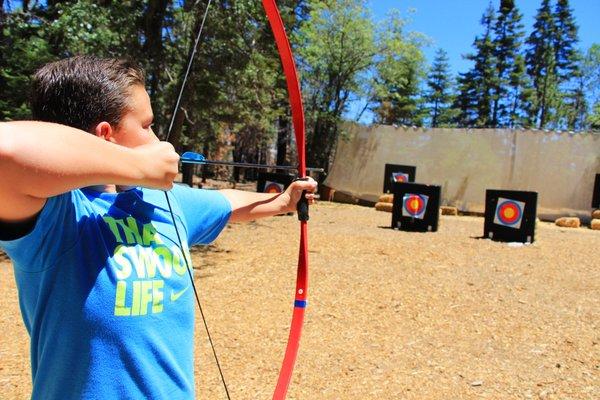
<point>248,206</point>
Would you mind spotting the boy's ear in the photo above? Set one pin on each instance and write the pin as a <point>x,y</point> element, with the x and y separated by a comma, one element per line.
<point>104,131</point>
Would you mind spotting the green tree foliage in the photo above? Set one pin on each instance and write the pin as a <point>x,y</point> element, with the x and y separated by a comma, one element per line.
<point>466,100</point>
<point>565,40</point>
<point>400,71</point>
<point>543,88</point>
<point>573,107</point>
<point>520,96</point>
<point>479,86</point>
<point>85,27</point>
<point>336,47</point>
<point>235,104</point>
<point>23,47</point>
<point>508,34</point>
<point>591,82</point>
<point>541,67</point>
<point>236,89</point>
<point>439,94</point>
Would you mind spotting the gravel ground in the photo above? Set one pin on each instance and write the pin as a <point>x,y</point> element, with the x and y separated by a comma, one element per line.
<point>392,315</point>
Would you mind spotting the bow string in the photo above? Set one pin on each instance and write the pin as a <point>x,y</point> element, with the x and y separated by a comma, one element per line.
<point>297,110</point>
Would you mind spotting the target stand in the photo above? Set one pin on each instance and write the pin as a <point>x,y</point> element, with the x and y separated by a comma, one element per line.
<point>416,207</point>
<point>510,215</point>
<point>397,173</point>
<point>270,182</point>
<point>596,195</point>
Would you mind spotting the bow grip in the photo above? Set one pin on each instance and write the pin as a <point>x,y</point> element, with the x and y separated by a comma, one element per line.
<point>302,205</point>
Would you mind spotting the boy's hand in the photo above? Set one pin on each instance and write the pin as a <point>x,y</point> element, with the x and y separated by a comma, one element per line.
<point>160,164</point>
<point>293,193</point>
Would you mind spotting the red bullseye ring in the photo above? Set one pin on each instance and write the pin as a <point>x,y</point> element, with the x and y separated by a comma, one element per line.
<point>399,177</point>
<point>414,204</point>
<point>509,212</point>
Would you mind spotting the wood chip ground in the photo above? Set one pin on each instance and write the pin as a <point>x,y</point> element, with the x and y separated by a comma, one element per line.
<point>391,315</point>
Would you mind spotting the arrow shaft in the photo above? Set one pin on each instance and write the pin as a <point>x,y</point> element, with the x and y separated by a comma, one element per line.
<point>248,165</point>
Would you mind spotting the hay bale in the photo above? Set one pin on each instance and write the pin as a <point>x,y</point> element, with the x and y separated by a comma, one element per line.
<point>386,198</point>
<point>341,197</point>
<point>596,214</point>
<point>568,222</point>
<point>595,224</point>
<point>448,210</point>
<point>384,207</point>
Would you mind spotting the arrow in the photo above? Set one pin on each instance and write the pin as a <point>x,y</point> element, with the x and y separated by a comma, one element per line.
<point>190,157</point>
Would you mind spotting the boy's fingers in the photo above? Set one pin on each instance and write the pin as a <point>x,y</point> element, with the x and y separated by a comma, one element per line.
<point>309,185</point>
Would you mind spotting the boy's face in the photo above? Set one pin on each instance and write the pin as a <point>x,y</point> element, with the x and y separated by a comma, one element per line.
<point>135,128</point>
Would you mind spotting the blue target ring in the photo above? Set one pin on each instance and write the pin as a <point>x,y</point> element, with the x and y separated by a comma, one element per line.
<point>509,212</point>
<point>414,205</point>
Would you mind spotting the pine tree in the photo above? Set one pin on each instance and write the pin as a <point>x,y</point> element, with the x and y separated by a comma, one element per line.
<point>593,119</point>
<point>520,95</point>
<point>591,77</point>
<point>575,110</point>
<point>567,67</point>
<point>565,41</point>
<point>400,73</point>
<point>476,86</point>
<point>439,97</point>
<point>540,60</point>
<point>336,44</point>
<point>508,32</point>
<point>465,102</point>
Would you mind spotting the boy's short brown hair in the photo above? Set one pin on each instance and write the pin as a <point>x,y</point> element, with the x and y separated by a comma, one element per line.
<point>83,91</point>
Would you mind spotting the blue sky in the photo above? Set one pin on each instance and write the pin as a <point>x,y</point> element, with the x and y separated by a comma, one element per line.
<point>453,24</point>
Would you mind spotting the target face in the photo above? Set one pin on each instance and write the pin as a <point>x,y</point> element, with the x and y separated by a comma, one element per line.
<point>273,187</point>
<point>399,177</point>
<point>414,205</point>
<point>509,213</point>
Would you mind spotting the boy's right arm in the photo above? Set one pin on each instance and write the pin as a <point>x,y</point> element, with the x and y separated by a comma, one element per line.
<point>39,160</point>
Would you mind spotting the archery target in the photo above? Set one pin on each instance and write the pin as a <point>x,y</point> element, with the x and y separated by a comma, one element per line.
<point>414,205</point>
<point>596,193</point>
<point>400,177</point>
<point>396,173</point>
<point>273,187</point>
<point>509,213</point>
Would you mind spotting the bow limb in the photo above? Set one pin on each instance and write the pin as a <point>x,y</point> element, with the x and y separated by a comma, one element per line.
<point>295,98</point>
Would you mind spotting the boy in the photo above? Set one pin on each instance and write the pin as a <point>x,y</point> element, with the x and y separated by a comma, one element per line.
<point>103,286</point>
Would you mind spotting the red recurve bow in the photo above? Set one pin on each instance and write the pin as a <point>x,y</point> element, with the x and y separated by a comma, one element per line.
<point>295,98</point>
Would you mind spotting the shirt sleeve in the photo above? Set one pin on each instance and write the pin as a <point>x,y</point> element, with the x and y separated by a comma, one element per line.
<point>55,229</point>
<point>206,213</point>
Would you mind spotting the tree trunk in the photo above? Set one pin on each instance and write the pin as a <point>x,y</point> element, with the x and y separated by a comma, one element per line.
<point>544,106</point>
<point>153,23</point>
<point>283,137</point>
<point>175,137</point>
<point>319,150</point>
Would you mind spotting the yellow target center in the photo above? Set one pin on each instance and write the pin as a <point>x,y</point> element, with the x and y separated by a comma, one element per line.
<point>414,204</point>
<point>509,213</point>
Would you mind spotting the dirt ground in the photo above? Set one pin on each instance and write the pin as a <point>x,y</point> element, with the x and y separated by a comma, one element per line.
<point>391,315</point>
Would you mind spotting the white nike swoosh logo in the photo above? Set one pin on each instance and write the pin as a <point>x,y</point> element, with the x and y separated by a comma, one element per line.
<point>176,295</point>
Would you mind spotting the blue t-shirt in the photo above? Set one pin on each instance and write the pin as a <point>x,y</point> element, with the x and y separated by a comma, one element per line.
<point>105,295</point>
